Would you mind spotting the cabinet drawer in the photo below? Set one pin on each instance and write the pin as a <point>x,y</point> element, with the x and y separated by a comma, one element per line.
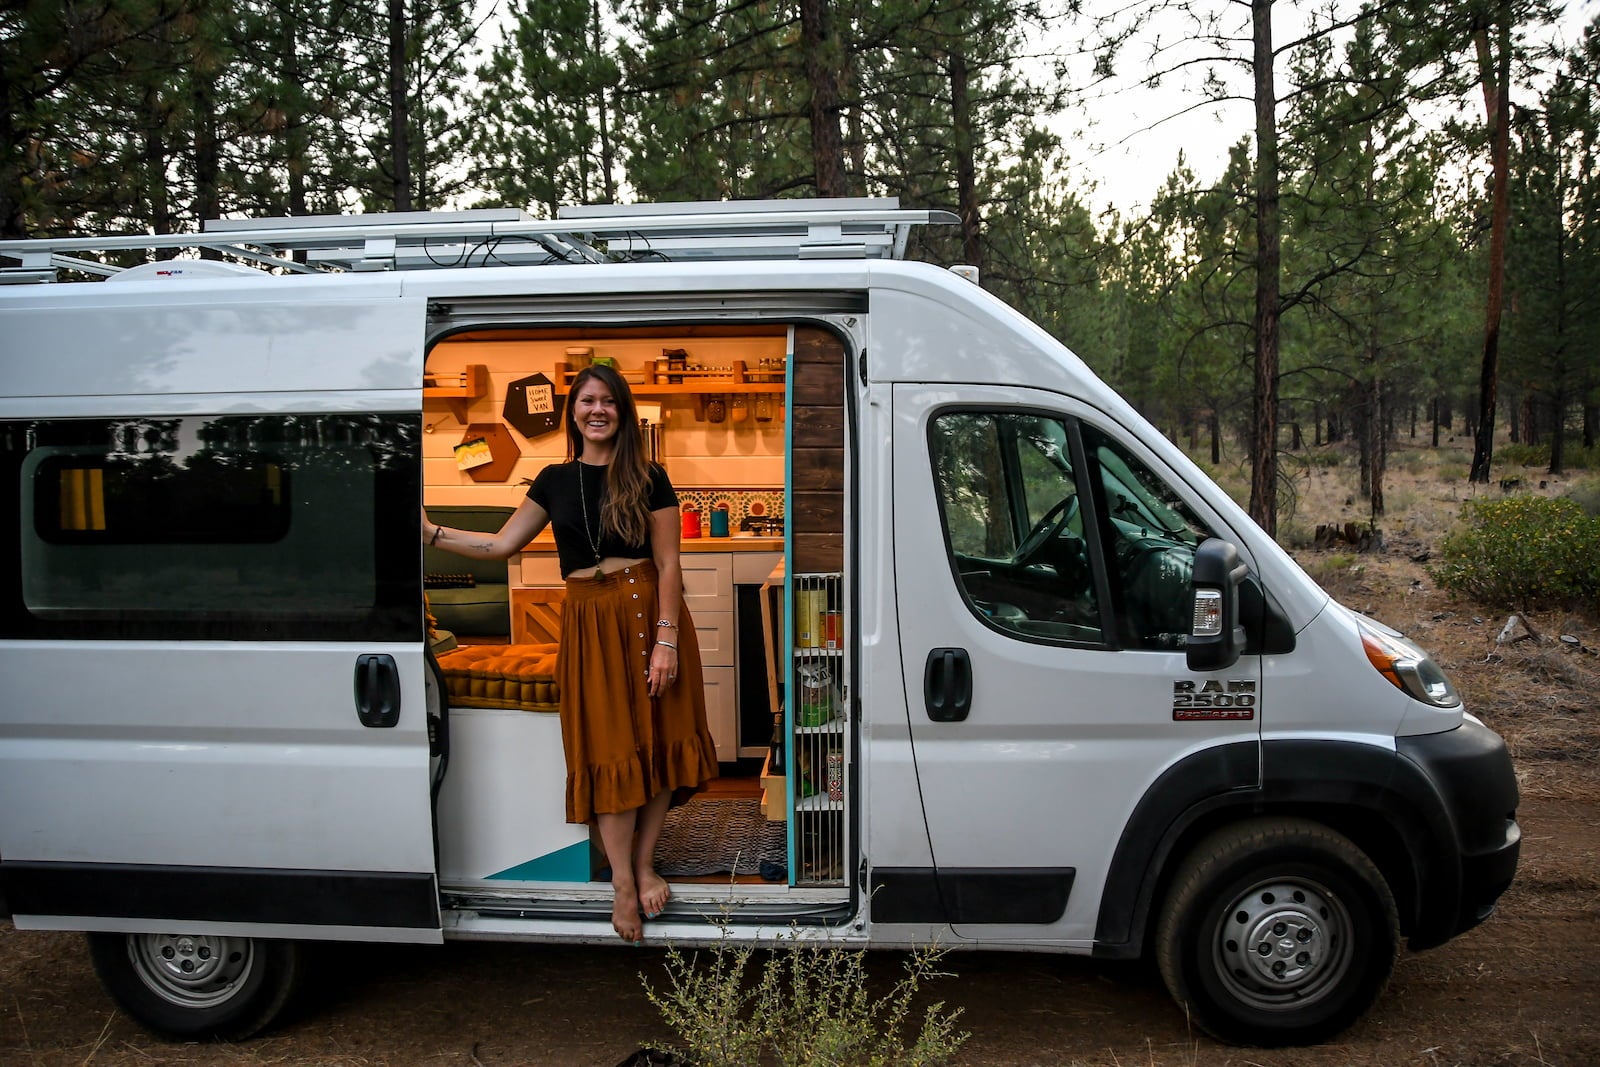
<point>752,568</point>
<point>540,568</point>
<point>722,710</point>
<point>717,636</point>
<point>708,581</point>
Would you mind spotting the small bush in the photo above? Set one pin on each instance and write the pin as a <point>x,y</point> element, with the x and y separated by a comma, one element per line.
<point>1524,552</point>
<point>1520,455</point>
<point>809,1007</point>
<point>1586,494</point>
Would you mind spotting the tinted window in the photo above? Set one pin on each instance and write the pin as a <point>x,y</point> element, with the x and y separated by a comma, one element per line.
<point>1152,535</point>
<point>231,527</point>
<point>1009,502</point>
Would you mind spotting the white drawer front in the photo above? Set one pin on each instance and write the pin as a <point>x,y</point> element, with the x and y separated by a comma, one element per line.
<point>708,581</point>
<point>717,636</point>
<point>722,710</point>
<point>542,568</point>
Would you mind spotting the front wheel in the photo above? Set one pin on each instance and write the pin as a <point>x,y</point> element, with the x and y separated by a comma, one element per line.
<point>1277,932</point>
<point>197,986</point>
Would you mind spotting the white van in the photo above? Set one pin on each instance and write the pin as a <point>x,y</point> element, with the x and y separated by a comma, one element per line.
<point>1041,684</point>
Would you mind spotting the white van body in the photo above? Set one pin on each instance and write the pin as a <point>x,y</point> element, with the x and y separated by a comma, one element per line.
<point>192,798</point>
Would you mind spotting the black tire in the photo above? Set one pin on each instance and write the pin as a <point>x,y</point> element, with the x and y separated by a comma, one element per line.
<point>1277,932</point>
<point>199,986</point>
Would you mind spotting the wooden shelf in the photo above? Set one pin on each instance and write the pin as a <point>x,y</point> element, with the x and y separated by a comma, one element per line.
<point>458,391</point>
<point>696,383</point>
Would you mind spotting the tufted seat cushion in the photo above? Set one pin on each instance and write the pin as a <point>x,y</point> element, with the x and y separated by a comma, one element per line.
<point>518,677</point>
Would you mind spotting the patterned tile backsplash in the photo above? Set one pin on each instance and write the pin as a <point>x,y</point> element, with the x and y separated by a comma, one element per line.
<point>741,503</point>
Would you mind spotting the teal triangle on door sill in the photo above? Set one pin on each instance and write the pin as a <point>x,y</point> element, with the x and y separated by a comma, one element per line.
<point>570,864</point>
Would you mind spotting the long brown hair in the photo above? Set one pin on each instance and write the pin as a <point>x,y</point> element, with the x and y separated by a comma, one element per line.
<point>625,514</point>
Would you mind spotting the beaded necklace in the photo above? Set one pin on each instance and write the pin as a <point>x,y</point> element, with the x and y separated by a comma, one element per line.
<point>583,510</point>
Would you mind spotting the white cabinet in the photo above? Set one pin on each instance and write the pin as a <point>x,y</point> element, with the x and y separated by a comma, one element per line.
<point>722,710</point>
<point>708,581</point>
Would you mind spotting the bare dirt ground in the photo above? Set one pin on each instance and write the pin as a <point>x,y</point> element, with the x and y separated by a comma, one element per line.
<point>1522,989</point>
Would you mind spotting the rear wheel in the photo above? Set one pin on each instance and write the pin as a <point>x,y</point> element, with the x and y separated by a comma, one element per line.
<point>1277,932</point>
<point>197,985</point>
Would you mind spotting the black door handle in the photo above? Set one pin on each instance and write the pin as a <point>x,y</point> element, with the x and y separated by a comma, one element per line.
<point>947,684</point>
<point>377,690</point>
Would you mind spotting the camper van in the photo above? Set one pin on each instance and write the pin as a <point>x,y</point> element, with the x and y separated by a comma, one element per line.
<point>988,661</point>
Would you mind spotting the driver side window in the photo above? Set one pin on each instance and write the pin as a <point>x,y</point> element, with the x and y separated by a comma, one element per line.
<point>1008,497</point>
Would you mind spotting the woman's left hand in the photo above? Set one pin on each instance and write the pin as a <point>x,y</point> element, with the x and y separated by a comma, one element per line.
<point>663,668</point>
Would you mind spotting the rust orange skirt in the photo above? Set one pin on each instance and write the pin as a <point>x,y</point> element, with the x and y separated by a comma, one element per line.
<point>622,745</point>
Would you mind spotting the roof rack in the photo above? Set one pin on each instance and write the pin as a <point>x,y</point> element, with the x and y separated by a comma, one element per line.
<point>858,228</point>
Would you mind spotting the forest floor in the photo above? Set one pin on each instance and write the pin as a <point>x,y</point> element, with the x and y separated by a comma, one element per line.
<point>1523,988</point>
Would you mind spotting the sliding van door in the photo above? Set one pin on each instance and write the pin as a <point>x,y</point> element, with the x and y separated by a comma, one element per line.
<point>210,631</point>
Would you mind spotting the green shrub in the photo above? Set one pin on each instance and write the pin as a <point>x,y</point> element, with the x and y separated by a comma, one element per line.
<point>1519,455</point>
<point>1586,494</point>
<point>1524,552</point>
<point>810,1006</point>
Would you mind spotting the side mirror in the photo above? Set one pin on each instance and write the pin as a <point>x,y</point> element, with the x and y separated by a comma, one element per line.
<point>1216,638</point>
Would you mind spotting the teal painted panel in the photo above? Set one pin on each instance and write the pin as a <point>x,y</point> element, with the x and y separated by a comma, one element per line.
<point>570,864</point>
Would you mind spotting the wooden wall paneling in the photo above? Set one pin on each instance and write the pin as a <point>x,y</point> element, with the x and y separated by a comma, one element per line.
<point>818,469</point>
<point>817,437</point>
<point>818,384</point>
<point>818,553</point>
<point>817,427</point>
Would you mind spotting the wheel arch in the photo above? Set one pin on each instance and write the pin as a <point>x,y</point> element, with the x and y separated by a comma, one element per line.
<point>1378,800</point>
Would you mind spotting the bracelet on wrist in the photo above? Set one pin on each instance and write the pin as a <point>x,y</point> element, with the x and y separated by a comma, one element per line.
<point>437,530</point>
<point>664,622</point>
<point>667,644</point>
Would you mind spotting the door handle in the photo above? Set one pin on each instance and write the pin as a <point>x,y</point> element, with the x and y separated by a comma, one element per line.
<point>377,690</point>
<point>947,684</point>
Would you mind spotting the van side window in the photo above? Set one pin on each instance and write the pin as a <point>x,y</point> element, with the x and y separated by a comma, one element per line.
<point>1008,498</point>
<point>222,528</point>
<point>1151,536</point>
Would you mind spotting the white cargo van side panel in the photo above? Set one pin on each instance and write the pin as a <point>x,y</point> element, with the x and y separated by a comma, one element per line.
<point>226,338</point>
<point>210,614</point>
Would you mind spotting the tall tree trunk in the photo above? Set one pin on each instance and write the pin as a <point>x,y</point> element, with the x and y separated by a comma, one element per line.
<point>155,166</point>
<point>399,111</point>
<point>1434,416</point>
<point>1264,426</point>
<point>1214,425</point>
<point>206,157</point>
<point>821,58</point>
<point>966,163</point>
<point>1378,446</point>
<point>608,149</point>
<point>1497,99</point>
<point>13,152</point>
<point>1558,431</point>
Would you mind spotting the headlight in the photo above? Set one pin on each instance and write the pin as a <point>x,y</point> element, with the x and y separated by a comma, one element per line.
<point>1408,667</point>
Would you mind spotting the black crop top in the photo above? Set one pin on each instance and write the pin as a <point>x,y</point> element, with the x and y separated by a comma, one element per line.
<point>555,489</point>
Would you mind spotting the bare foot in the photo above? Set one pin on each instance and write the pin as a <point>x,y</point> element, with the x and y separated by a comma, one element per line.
<point>654,892</point>
<point>625,916</point>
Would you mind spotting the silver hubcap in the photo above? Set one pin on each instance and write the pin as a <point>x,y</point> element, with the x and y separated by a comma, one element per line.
<point>1283,943</point>
<point>190,970</point>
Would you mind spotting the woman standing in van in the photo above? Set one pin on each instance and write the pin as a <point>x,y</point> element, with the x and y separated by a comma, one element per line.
<point>633,716</point>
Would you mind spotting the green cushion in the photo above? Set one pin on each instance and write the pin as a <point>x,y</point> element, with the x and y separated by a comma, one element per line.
<point>483,610</point>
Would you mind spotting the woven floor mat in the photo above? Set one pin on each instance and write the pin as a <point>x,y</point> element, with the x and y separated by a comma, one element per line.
<point>720,835</point>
